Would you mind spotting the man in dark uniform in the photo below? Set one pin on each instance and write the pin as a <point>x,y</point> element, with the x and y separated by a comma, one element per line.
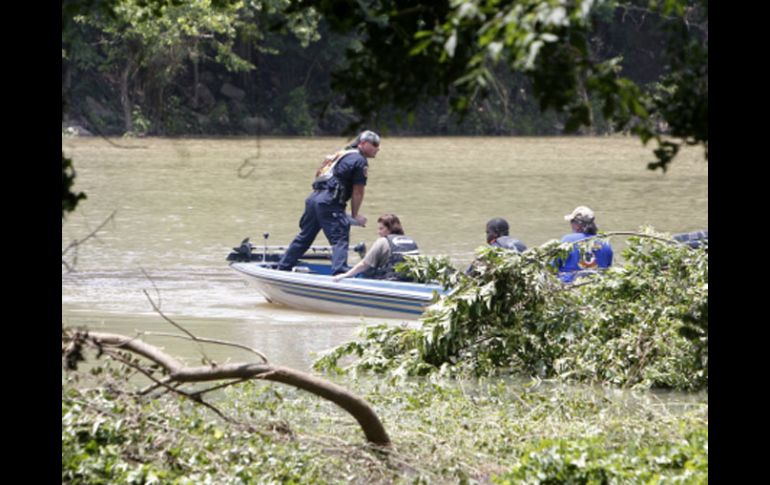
<point>497,235</point>
<point>325,207</point>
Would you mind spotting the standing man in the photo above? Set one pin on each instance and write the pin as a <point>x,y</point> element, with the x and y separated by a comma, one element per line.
<point>581,262</point>
<point>344,179</point>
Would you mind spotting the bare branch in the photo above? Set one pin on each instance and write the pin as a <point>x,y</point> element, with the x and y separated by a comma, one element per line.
<point>220,386</point>
<point>152,282</point>
<point>192,337</point>
<point>692,11</point>
<point>211,341</point>
<point>195,396</point>
<point>363,413</point>
<point>154,386</point>
<point>163,315</point>
<point>604,235</point>
<point>247,167</point>
<point>637,234</point>
<point>78,242</point>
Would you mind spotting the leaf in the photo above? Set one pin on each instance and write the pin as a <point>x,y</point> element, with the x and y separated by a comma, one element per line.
<point>451,44</point>
<point>548,37</point>
<point>534,49</point>
<point>494,50</point>
<point>420,47</point>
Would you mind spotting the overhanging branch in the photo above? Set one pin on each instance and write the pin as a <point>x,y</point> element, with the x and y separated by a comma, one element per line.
<point>375,433</point>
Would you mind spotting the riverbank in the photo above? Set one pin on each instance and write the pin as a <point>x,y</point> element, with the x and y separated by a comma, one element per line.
<point>492,431</point>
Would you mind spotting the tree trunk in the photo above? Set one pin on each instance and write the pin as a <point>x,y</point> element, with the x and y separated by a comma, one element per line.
<point>125,99</point>
<point>196,82</point>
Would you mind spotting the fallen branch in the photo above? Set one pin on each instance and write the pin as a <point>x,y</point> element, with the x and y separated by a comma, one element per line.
<point>73,341</point>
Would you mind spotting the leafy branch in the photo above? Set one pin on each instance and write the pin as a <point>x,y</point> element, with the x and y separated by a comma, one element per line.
<point>635,325</point>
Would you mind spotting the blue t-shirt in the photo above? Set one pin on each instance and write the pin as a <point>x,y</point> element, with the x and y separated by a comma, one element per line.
<point>352,169</point>
<point>599,256</point>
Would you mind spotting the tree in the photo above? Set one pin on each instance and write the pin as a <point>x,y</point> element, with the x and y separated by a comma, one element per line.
<point>414,50</point>
<point>69,199</point>
<point>140,51</point>
<point>141,48</point>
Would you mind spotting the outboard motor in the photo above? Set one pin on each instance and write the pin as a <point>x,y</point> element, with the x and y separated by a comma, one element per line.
<point>242,253</point>
<point>693,239</point>
<point>360,249</point>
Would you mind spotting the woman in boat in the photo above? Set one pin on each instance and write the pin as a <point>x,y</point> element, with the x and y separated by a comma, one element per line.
<point>388,250</point>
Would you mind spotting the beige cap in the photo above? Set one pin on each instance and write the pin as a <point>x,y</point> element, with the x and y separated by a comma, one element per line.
<point>581,213</point>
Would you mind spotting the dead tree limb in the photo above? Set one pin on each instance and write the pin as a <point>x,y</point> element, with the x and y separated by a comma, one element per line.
<point>211,341</point>
<point>74,245</point>
<point>72,341</point>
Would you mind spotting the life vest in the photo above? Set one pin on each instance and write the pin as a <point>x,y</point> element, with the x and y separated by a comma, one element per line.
<point>400,246</point>
<point>326,171</point>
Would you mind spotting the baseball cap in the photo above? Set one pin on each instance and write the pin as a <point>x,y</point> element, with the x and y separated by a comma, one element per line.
<point>581,213</point>
<point>369,136</point>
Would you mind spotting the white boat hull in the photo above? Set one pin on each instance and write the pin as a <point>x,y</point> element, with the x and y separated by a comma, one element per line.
<point>351,296</point>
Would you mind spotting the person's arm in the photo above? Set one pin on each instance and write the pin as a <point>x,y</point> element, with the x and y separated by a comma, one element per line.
<point>372,259</point>
<point>361,266</point>
<point>355,204</point>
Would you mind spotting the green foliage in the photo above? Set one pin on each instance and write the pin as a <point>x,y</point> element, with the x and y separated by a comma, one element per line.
<point>443,432</point>
<point>644,324</point>
<point>639,339</point>
<point>525,68</point>
<point>141,48</point>
<point>426,269</point>
<point>110,436</point>
<point>161,55</point>
<point>140,124</point>
<point>69,199</point>
<point>452,48</point>
<point>588,460</point>
<point>299,121</point>
<point>178,119</point>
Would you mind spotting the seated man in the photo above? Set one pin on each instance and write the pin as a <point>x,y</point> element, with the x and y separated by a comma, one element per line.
<point>580,262</point>
<point>497,235</point>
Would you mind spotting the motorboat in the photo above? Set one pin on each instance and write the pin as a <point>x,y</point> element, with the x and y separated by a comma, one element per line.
<point>309,286</point>
<point>694,239</point>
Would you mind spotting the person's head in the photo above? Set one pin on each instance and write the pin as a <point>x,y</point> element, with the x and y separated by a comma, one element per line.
<point>368,142</point>
<point>496,227</point>
<point>389,224</point>
<point>582,219</point>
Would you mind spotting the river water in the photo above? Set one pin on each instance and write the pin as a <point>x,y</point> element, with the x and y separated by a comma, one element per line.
<point>180,206</point>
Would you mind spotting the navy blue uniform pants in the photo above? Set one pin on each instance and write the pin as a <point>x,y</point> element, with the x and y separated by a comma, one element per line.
<point>321,213</point>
